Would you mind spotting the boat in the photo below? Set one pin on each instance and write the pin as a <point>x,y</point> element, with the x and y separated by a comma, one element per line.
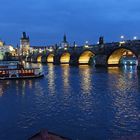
<point>46,135</point>
<point>18,71</point>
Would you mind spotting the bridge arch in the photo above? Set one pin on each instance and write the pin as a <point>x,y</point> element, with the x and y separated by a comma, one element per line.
<point>39,59</point>
<point>65,58</point>
<point>86,57</point>
<point>50,58</point>
<point>116,56</point>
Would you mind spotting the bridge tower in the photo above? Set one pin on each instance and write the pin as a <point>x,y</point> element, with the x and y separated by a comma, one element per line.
<point>24,44</point>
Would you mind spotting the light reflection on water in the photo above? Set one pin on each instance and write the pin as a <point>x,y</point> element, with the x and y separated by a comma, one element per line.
<point>65,75</point>
<point>86,79</point>
<point>78,102</point>
<point>123,91</point>
<point>51,79</point>
<point>3,85</point>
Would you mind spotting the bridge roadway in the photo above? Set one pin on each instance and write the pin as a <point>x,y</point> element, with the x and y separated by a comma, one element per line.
<point>108,54</point>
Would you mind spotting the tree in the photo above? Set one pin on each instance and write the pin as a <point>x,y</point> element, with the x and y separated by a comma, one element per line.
<point>7,56</point>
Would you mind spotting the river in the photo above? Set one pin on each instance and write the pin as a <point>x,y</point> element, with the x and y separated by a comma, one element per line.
<point>82,103</point>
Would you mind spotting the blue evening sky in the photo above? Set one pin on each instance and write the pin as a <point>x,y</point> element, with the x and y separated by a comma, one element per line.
<point>47,20</point>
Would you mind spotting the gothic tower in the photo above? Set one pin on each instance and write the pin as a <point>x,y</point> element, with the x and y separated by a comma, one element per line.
<point>24,44</point>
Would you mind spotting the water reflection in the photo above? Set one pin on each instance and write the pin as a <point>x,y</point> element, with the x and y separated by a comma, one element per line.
<point>39,89</point>
<point>19,85</point>
<point>113,70</point>
<point>126,117</point>
<point>74,102</point>
<point>86,78</point>
<point>51,78</point>
<point>123,93</point>
<point>30,84</point>
<point>3,86</point>
<point>85,100</point>
<point>65,75</point>
<point>124,69</point>
<point>130,71</point>
<point>22,85</point>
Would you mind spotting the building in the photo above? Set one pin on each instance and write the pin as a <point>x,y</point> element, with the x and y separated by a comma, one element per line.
<point>26,48</point>
<point>1,43</point>
<point>24,44</point>
<point>6,50</point>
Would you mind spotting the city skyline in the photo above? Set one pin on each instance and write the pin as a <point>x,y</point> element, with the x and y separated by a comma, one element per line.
<point>46,22</point>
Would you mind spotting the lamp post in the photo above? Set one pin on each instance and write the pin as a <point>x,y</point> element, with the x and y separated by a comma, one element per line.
<point>86,44</point>
<point>122,40</point>
<point>122,37</point>
<point>134,38</point>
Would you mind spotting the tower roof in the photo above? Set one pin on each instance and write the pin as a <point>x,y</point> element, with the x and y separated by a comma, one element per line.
<point>24,36</point>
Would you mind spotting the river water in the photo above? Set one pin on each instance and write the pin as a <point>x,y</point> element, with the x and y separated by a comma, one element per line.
<point>82,103</point>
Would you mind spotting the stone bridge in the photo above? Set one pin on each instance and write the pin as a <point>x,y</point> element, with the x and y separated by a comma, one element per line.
<point>109,54</point>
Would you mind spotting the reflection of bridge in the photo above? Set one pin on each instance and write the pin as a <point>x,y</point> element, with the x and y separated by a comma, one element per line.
<point>99,55</point>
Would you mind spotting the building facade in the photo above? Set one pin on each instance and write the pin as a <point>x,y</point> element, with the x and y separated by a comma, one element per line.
<point>6,50</point>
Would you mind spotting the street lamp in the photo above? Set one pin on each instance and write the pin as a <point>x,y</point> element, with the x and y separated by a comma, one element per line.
<point>134,38</point>
<point>122,40</point>
<point>86,44</point>
<point>50,49</point>
<point>65,49</point>
<point>122,36</point>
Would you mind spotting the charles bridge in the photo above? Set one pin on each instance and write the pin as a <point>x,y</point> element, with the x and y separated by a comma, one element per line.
<point>102,54</point>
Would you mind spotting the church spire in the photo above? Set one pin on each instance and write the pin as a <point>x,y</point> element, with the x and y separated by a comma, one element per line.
<point>65,38</point>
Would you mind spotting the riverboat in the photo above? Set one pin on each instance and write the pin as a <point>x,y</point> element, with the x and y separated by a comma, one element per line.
<point>17,71</point>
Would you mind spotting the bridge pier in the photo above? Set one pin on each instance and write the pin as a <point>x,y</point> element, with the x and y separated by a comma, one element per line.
<point>43,59</point>
<point>74,59</point>
<point>100,60</point>
<point>56,59</point>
